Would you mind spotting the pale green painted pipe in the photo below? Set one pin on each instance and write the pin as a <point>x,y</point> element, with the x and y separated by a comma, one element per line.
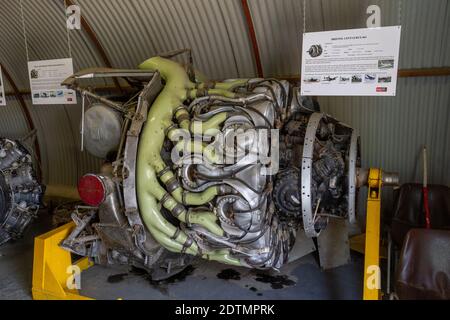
<point>158,226</point>
<point>191,146</point>
<point>162,230</point>
<point>161,112</point>
<point>205,219</point>
<point>230,85</point>
<point>200,198</point>
<point>223,256</point>
<point>219,92</point>
<point>185,121</point>
<point>199,147</point>
<point>149,160</point>
<point>213,123</point>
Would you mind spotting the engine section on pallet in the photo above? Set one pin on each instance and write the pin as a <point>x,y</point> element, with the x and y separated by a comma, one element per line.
<point>319,158</point>
<point>227,171</point>
<point>20,192</point>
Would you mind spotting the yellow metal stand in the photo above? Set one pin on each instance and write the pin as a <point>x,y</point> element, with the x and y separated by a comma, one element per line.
<point>372,274</point>
<point>51,267</point>
<point>358,244</point>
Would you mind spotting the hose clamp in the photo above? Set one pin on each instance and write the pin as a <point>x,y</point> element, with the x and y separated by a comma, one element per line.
<point>207,85</point>
<point>177,210</point>
<point>167,130</point>
<point>212,84</point>
<point>202,92</point>
<point>188,214</point>
<point>172,184</point>
<point>176,234</point>
<point>165,198</point>
<point>180,107</point>
<point>163,172</point>
<point>183,117</point>
<point>183,197</point>
<point>187,244</point>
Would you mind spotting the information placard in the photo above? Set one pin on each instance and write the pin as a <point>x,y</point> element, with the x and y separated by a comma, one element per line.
<point>354,62</point>
<point>46,77</point>
<point>2,90</point>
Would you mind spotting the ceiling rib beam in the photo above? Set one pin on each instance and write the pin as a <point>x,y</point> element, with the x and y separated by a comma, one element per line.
<point>424,72</point>
<point>252,35</point>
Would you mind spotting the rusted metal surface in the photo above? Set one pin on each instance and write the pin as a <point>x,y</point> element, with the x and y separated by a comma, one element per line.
<point>252,35</point>
<point>425,72</point>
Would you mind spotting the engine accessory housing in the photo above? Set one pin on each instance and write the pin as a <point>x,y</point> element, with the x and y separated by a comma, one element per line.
<point>102,130</point>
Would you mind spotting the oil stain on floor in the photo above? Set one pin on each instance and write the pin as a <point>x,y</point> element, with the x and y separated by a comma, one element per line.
<point>115,278</point>
<point>229,274</point>
<point>161,285</point>
<point>275,281</point>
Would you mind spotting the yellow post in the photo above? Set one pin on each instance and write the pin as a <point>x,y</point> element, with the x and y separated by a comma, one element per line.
<point>372,274</point>
<point>51,267</point>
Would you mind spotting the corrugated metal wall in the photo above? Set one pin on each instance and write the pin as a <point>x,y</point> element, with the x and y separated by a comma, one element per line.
<point>279,25</point>
<point>132,31</point>
<point>58,133</point>
<point>13,123</point>
<point>57,126</point>
<point>392,129</point>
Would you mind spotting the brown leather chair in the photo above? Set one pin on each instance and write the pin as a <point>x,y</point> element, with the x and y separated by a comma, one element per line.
<point>424,267</point>
<point>409,211</point>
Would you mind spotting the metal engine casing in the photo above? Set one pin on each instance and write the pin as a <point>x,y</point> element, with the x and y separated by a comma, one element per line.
<point>259,213</point>
<point>20,192</point>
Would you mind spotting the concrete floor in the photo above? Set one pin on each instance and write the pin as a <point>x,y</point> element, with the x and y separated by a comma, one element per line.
<point>301,279</point>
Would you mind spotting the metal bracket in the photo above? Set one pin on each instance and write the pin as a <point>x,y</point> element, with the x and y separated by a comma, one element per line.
<point>353,154</point>
<point>51,267</point>
<point>147,96</point>
<point>333,244</point>
<point>305,187</point>
<point>372,274</point>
